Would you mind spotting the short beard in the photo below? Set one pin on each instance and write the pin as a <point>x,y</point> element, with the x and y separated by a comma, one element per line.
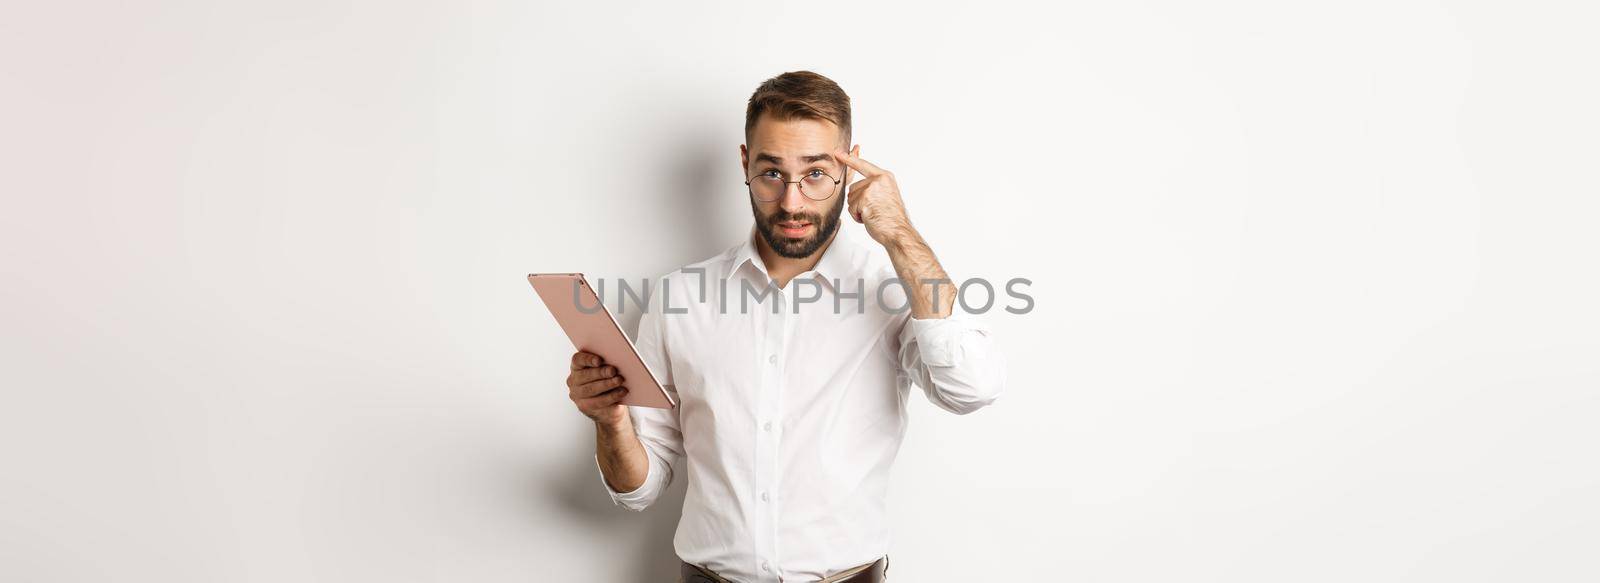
<point>801,249</point>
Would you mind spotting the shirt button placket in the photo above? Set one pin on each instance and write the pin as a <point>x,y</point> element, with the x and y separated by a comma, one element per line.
<point>766,442</point>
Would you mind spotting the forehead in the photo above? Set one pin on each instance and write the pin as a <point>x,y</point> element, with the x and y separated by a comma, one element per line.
<point>792,138</point>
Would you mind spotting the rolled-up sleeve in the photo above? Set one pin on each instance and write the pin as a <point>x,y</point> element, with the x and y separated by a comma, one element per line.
<point>662,445</point>
<point>657,429</point>
<point>954,360</point>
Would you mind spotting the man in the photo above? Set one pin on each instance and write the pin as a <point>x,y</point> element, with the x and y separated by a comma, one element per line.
<point>791,356</point>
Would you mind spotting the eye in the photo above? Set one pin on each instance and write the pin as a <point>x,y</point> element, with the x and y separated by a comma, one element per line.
<point>773,174</point>
<point>816,173</point>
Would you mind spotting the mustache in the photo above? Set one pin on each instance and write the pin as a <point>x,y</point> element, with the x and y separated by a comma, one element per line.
<point>785,217</point>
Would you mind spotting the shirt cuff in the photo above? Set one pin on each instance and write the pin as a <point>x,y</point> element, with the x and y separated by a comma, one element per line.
<point>634,500</point>
<point>939,339</point>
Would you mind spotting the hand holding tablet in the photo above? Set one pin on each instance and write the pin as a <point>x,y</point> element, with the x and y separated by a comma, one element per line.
<point>605,354</point>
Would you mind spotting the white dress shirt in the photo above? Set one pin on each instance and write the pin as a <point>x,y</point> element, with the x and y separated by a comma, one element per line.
<point>789,421</point>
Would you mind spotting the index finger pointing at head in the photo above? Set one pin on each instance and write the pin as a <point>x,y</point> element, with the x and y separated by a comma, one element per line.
<point>864,167</point>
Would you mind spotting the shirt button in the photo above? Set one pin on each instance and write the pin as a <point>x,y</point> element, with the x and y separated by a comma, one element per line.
<point>765,566</point>
<point>763,496</point>
<point>773,359</point>
<point>766,426</point>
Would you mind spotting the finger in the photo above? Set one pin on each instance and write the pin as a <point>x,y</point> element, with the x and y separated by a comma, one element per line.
<point>854,196</point>
<point>591,389</point>
<point>602,400</point>
<point>589,375</point>
<point>582,360</point>
<point>859,187</point>
<point>864,167</point>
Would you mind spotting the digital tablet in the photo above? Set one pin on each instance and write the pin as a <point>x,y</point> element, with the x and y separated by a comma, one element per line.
<point>591,328</point>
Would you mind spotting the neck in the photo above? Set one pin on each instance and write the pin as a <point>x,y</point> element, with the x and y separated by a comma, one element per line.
<point>782,269</point>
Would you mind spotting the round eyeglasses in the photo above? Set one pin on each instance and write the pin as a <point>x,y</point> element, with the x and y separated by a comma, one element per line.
<point>770,185</point>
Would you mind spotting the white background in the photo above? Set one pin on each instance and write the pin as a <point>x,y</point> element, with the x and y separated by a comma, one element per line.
<point>1315,284</point>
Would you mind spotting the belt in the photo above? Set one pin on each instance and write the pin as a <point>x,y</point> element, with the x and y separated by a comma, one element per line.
<point>874,572</point>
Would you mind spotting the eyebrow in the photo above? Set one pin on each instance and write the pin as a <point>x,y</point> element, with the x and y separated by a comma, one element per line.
<point>765,157</point>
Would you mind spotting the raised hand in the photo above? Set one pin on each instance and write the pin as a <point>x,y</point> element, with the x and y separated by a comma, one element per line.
<point>875,200</point>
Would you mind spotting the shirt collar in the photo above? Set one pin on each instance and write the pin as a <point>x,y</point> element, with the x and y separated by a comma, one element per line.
<point>837,261</point>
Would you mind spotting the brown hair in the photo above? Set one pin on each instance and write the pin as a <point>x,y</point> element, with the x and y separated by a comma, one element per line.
<point>799,94</point>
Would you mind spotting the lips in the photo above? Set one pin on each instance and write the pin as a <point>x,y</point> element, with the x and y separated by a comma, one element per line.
<point>794,229</point>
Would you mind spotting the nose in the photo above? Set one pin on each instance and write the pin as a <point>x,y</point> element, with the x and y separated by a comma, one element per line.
<point>792,199</point>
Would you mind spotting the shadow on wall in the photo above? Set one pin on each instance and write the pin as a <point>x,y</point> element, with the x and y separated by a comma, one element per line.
<point>697,205</point>
<point>643,539</point>
<point>705,205</point>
